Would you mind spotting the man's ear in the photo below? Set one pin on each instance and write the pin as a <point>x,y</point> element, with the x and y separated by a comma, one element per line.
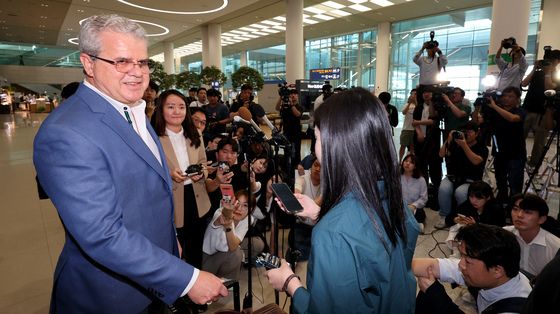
<point>498,271</point>
<point>87,63</point>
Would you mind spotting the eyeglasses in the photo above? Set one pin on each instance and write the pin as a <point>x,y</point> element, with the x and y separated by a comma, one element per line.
<point>125,65</point>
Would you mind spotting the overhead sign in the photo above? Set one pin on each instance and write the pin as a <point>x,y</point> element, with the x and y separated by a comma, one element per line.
<point>324,74</point>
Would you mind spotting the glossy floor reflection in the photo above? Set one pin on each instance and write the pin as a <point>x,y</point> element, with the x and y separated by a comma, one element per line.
<point>31,235</point>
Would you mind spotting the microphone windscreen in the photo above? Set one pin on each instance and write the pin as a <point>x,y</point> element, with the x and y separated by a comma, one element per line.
<point>245,113</point>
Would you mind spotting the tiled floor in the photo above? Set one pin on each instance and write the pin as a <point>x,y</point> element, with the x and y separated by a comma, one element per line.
<point>31,236</point>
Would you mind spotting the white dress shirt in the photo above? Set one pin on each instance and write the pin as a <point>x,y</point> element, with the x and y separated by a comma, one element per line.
<point>179,143</point>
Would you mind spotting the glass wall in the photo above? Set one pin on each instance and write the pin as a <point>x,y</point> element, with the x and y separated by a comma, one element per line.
<point>354,54</point>
<point>463,37</point>
<point>270,62</point>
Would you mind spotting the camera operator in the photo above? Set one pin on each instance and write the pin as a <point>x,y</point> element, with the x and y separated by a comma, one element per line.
<point>245,99</point>
<point>508,146</point>
<point>291,111</point>
<point>541,78</point>
<point>458,110</point>
<point>327,92</point>
<point>426,120</point>
<point>511,73</point>
<point>430,65</point>
<point>466,158</point>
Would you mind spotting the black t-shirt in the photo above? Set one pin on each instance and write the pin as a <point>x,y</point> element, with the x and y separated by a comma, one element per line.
<point>291,125</point>
<point>461,167</point>
<point>508,140</point>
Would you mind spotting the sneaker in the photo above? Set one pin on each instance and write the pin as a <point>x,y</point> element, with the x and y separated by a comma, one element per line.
<point>421,226</point>
<point>441,223</point>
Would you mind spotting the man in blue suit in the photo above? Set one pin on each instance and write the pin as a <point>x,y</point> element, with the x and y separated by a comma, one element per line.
<point>105,170</point>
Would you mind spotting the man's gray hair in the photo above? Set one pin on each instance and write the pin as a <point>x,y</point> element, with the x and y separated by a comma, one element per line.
<point>94,25</point>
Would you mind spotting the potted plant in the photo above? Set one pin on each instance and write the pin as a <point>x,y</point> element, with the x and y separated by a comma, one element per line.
<point>212,74</point>
<point>187,79</point>
<point>247,75</point>
<point>164,80</point>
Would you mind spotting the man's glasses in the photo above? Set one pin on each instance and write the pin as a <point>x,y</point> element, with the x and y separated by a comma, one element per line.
<point>125,65</point>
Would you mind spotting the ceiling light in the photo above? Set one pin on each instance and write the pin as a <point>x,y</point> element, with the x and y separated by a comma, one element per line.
<point>224,4</point>
<point>340,13</point>
<point>280,27</point>
<point>73,41</point>
<point>235,31</point>
<point>269,30</point>
<point>256,25</point>
<point>310,21</point>
<point>382,3</point>
<point>252,36</point>
<point>359,7</point>
<point>248,29</point>
<point>268,22</point>
<point>332,4</point>
<point>280,18</point>
<point>260,33</point>
<point>165,29</point>
<point>314,10</point>
<point>358,1</point>
<point>323,17</point>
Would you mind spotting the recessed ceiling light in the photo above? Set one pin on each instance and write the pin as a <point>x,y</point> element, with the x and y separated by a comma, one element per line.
<point>280,18</point>
<point>268,22</point>
<point>248,29</point>
<point>359,1</point>
<point>314,10</point>
<point>73,41</point>
<point>323,17</point>
<point>310,21</point>
<point>340,13</point>
<point>165,29</point>
<point>224,4</point>
<point>80,11</point>
<point>359,7</point>
<point>332,4</point>
<point>382,3</point>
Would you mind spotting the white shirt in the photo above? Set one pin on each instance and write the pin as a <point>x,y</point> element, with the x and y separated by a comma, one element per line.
<point>198,104</point>
<point>137,117</point>
<point>536,254</point>
<point>179,143</point>
<point>517,286</point>
<point>215,236</point>
<point>303,183</point>
<point>407,124</point>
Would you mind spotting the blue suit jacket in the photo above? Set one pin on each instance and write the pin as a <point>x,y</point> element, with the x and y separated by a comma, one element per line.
<point>115,201</point>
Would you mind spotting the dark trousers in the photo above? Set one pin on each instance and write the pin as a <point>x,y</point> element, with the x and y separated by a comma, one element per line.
<point>191,236</point>
<point>508,172</point>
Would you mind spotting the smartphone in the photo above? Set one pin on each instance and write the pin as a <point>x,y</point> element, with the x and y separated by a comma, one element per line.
<point>267,261</point>
<point>461,215</point>
<point>286,197</point>
<point>227,192</point>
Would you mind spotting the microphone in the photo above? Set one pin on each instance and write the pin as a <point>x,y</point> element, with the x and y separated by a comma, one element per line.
<point>250,122</point>
<point>550,93</point>
<point>269,124</point>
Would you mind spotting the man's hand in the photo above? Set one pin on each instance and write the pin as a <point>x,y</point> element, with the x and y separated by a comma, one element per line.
<point>425,282</point>
<point>207,288</point>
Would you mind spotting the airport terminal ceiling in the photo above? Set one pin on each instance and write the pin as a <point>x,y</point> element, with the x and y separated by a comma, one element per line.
<point>43,32</point>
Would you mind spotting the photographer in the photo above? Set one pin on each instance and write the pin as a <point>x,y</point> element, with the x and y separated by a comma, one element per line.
<point>508,146</point>
<point>511,73</point>
<point>290,111</point>
<point>458,110</point>
<point>245,99</point>
<point>430,65</point>
<point>541,78</point>
<point>426,120</point>
<point>466,158</point>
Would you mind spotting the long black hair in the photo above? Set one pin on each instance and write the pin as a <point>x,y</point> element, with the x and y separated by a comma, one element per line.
<point>357,152</point>
<point>189,129</point>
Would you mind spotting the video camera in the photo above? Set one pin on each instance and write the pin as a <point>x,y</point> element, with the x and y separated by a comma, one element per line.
<point>284,93</point>
<point>547,59</point>
<point>439,103</point>
<point>432,43</point>
<point>483,101</point>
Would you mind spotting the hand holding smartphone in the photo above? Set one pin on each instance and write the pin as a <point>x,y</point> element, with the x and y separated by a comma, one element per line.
<point>227,198</point>
<point>286,197</point>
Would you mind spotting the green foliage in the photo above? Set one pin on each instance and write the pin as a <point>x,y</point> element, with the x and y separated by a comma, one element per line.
<point>247,75</point>
<point>187,79</point>
<point>164,80</point>
<point>212,74</point>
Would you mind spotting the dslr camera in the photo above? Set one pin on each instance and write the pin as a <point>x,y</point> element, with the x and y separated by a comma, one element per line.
<point>437,98</point>
<point>508,42</point>
<point>195,169</point>
<point>432,43</point>
<point>458,135</point>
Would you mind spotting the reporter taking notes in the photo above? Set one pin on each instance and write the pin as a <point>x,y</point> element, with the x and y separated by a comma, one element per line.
<point>364,237</point>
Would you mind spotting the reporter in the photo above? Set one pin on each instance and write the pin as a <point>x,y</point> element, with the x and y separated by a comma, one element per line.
<point>364,239</point>
<point>182,145</point>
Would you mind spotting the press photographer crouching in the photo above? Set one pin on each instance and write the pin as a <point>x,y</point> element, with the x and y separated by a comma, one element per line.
<point>466,158</point>
<point>508,143</point>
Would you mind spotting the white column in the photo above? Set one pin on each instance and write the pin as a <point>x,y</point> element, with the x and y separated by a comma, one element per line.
<point>383,54</point>
<point>168,56</point>
<point>243,58</point>
<point>510,18</point>
<point>548,35</point>
<point>212,45</point>
<point>295,66</point>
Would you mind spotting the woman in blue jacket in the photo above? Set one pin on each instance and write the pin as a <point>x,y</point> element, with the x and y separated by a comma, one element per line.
<point>364,238</point>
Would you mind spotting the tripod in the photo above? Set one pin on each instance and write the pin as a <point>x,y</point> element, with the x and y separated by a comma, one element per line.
<point>550,171</point>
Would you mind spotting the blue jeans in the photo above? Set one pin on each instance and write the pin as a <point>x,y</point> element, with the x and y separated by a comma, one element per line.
<point>445,194</point>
